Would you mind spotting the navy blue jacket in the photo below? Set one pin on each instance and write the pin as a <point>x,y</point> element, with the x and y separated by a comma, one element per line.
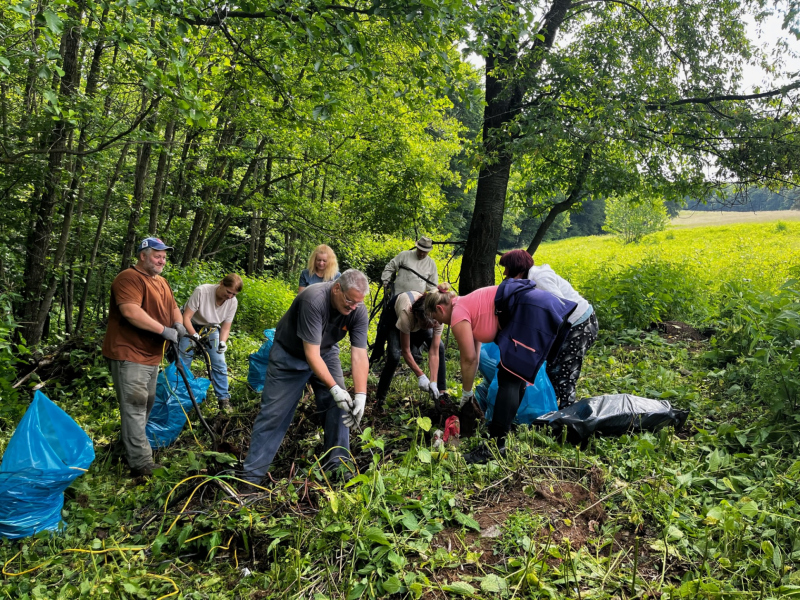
<point>533,323</point>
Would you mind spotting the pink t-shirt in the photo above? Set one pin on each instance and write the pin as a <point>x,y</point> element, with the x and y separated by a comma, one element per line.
<point>477,309</point>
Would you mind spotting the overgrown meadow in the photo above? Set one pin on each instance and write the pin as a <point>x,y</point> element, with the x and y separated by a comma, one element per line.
<point>706,318</point>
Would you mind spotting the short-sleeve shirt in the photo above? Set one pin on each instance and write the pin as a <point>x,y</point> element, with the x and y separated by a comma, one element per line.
<point>406,322</point>
<point>477,308</point>
<point>312,318</point>
<point>307,279</point>
<point>125,341</point>
<point>203,302</point>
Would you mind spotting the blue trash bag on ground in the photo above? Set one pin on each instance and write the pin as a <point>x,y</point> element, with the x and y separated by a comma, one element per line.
<point>539,398</point>
<point>46,453</point>
<point>488,360</point>
<point>171,410</point>
<point>257,373</point>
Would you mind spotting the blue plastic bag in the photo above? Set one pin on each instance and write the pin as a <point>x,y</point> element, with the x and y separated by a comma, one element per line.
<point>539,398</point>
<point>170,410</point>
<point>46,453</point>
<point>259,361</point>
<point>488,360</point>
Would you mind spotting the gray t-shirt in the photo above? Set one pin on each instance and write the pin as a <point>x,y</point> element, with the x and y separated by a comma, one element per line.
<point>312,318</point>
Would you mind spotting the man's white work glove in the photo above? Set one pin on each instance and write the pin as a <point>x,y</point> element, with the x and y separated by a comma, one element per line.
<point>433,388</point>
<point>195,337</point>
<point>353,418</point>
<point>170,334</point>
<point>342,398</point>
<point>178,326</point>
<point>222,347</point>
<point>466,397</point>
<point>424,382</point>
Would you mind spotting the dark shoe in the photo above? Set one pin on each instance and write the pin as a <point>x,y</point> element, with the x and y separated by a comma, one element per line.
<point>225,405</point>
<point>145,471</point>
<point>483,454</point>
<point>249,489</point>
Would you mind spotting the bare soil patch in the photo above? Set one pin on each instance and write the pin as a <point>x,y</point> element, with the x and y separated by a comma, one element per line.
<point>678,331</point>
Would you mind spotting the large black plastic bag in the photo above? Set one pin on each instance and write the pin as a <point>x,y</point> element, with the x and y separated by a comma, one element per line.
<point>613,415</point>
<point>46,453</point>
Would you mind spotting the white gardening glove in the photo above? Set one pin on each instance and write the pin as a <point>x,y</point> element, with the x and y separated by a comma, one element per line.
<point>466,397</point>
<point>222,347</point>
<point>424,382</point>
<point>195,337</point>
<point>353,418</point>
<point>342,398</point>
<point>433,388</point>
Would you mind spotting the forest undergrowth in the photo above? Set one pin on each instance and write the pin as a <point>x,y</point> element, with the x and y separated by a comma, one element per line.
<point>710,511</point>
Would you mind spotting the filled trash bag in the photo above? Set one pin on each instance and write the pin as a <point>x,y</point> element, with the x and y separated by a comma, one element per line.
<point>46,453</point>
<point>539,398</point>
<point>170,410</point>
<point>488,360</point>
<point>613,415</point>
<point>257,373</point>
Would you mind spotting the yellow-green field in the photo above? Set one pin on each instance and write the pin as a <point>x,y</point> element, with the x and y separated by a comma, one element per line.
<point>691,218</point>
<point>767,254</point>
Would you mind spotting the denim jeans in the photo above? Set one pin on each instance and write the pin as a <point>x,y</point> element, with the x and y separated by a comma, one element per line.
<point>219,368</point>
<point>135,386</point>
<point>286,379</point>
<point>394,356</point>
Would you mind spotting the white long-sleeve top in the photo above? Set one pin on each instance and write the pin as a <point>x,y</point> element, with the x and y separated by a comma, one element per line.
<point>548,280</point>
<point>406,281</point>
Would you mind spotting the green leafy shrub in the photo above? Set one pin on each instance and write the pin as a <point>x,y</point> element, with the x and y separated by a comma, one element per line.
<point>262,303</point>
<point>632,220</point>
<point>652,291</point>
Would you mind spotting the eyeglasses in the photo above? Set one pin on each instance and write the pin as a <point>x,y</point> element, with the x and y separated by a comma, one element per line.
<point>348,302</point>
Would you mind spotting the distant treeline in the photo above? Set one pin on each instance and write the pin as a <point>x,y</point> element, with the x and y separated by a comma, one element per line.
<point>755,200</point>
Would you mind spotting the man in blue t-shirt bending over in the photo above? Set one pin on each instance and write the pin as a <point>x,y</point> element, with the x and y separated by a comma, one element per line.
<point>306,348</point>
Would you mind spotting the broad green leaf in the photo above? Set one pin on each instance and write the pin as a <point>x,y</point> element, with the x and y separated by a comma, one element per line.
<point>459,587</point>
<point>493,584</point>
<point>377,535</point>
<point>767,548</point>
<point>333,500</point>
<point>54,23</point>
<point>749,509</point>
<point>424,455</point>
<point>424,423</point>
<point>714,461</point>
<point>391,585</point>
<point>466,520</point>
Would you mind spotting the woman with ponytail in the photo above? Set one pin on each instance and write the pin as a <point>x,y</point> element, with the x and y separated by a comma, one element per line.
<point>534,318</point>
<point>413,329</point>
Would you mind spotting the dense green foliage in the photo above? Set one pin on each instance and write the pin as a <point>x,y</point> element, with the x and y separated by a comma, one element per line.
<point>707,512</point>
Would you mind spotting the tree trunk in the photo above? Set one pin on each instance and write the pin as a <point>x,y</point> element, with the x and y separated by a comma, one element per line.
<point>100,223</point>
<point>255,235</point>
<point>507,77</point>
<point>139,186</point>
<point>158,184</point>
<point>38,242</point>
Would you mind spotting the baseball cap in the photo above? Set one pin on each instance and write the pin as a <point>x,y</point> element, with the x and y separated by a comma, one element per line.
<point>154,243</point>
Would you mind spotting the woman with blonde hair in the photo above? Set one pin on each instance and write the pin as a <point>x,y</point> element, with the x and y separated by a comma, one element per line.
<point>524,322</point>
<point>322,266</point>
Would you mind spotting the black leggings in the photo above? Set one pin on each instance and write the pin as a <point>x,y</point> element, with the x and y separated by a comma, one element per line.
<point>394,356</point>
<point>510,391</point>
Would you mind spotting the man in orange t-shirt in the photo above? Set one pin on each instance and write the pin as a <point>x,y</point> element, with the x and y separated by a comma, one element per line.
<point>142,318</point>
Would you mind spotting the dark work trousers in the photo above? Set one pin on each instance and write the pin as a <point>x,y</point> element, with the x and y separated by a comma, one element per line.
<point>566,367</point>
<point>510,390</point>
<point>394,356</point>
<point>286,379</point>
